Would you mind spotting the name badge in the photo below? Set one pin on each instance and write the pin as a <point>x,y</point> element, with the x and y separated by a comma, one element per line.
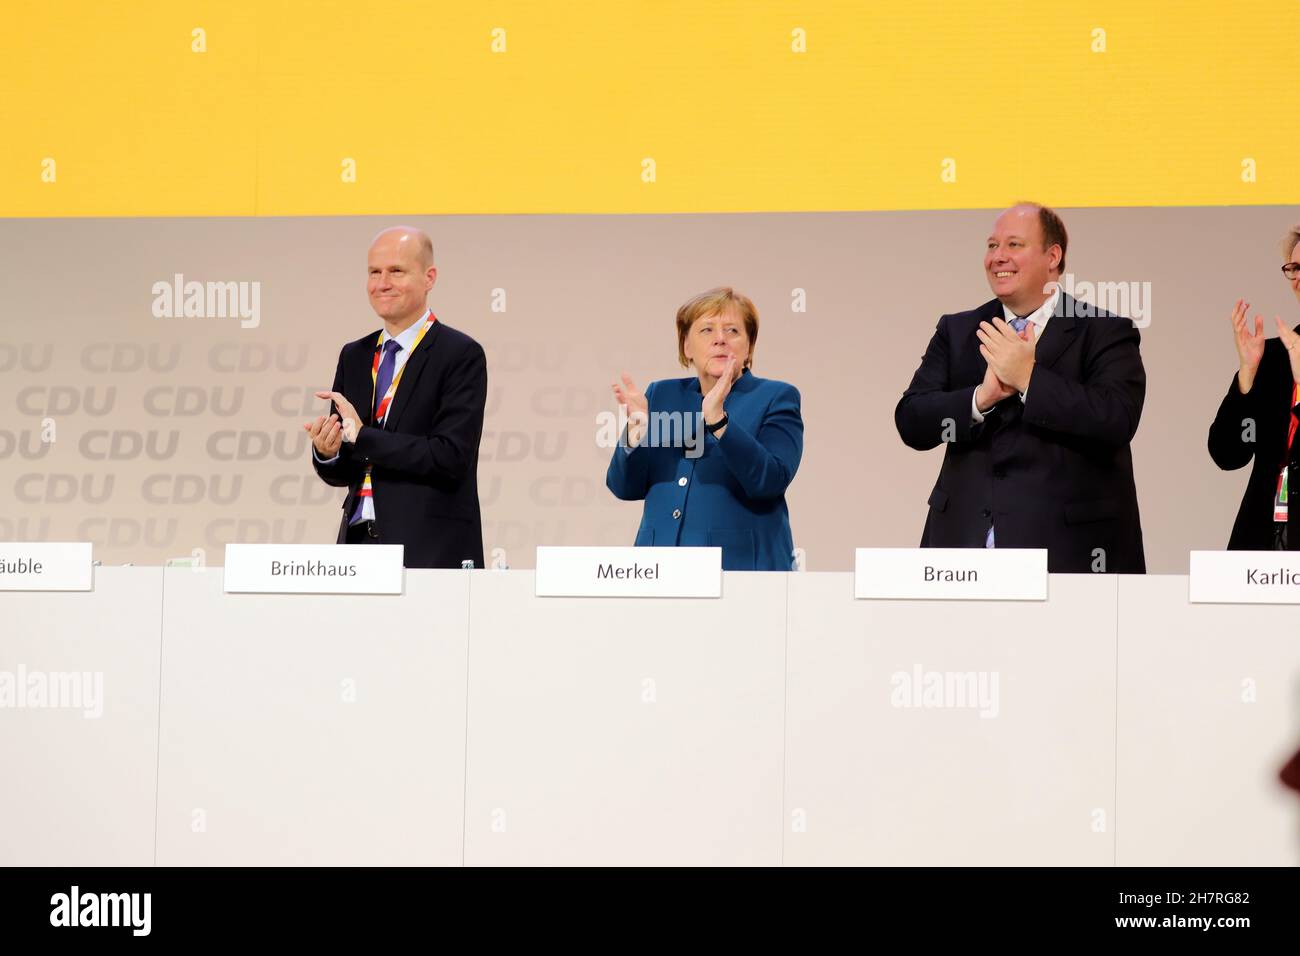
<point>629,572</point>
<point>1244,577</point>
<point>313,569</point>
<point>46,566</point>
<point>948,574</point>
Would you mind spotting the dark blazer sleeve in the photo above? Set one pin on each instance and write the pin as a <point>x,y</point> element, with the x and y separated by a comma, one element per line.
<point>1107,405</point>
<point>764,464</point>
<point>343,470</point>
<point>448,449</point>
<point>930,409</point>
<point>628,475</point>
<point>1226,446</point>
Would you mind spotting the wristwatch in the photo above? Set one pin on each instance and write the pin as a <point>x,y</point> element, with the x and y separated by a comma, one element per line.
<point>717,426</point>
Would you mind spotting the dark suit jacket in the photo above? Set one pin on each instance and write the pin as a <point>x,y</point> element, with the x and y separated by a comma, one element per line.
<point>1269,406</point>
<point>1054,471</point>
<point>425,457</point>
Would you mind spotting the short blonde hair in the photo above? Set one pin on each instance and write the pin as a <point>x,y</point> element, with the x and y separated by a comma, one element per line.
<point>1289,241</point>
<point>715,302</point>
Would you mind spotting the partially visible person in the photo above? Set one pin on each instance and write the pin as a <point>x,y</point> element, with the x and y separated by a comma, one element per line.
<point>1290,773</point>
<point>1257,421</point>
<point>712,454</point>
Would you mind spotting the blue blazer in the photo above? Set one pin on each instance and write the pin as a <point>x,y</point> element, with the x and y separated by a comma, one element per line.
<point>732,495</point>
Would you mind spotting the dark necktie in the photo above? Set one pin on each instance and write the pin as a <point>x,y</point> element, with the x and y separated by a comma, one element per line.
<point>384,377</point>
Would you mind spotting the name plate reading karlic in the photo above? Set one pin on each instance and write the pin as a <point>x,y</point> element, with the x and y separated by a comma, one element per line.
<point>313,569</point>
<point>629,572</point>
<point>951,574</point>
<point>1244,577</point>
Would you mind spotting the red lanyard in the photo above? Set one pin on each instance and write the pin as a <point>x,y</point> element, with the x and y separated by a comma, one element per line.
<point>1290,435</point>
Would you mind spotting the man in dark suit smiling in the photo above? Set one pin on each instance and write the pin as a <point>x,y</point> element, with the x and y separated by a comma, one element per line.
<point>1036,398</point>
<point>406,416</point>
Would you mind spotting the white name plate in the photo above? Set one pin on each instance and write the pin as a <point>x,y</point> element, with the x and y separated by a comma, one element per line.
<point>948,574</point>
<point>629,572</point>
<point>46,566</point>
<point>1244,577</point>
<point>313,569</point>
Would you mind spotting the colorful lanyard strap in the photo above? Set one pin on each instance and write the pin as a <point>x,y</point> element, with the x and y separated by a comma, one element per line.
<point>367,489</point>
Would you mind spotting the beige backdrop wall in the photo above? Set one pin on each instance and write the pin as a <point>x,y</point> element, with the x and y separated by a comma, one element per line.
<point>177,435</point>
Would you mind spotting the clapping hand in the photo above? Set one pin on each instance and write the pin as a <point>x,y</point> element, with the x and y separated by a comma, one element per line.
<point>638,408</point>
<point>351,421</point>
<point>326,435</point>
<point>1009,356</point>
<point>713,401</point>
<point>1250,346</point>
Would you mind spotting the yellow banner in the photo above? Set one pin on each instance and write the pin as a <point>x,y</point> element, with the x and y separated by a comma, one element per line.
<point>257,107</point>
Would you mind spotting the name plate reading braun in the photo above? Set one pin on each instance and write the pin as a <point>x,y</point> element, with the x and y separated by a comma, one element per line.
<point>951,574</point>
<point>1244,577</point>
<point>629,572</point>
<point>46,566</point>
<point>313,568</point>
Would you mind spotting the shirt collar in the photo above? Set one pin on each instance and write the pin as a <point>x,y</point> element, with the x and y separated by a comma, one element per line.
<point>407,335</point>
<point>1040,315</point>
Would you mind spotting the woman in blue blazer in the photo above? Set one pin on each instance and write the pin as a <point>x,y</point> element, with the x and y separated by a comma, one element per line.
<point>713,454</point>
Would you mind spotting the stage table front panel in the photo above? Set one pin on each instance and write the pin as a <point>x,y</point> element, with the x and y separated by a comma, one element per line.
<point>469,721</point>
<point>80,777</point>
<point>1209,711</point>
<point>313,729</point>
<point>950,732</point>
<point>625,731</point>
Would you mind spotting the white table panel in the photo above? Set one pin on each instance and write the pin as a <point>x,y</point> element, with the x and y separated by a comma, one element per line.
<point>265,760</point>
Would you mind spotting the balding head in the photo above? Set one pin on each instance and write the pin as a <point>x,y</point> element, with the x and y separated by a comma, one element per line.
<point>400,274</point>
<point>408,237</point>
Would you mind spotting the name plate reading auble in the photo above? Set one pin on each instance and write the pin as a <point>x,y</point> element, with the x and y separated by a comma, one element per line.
<point>1244,577</point>
<point>951,574</point>
<point>46,566</point>
<point>313,569</point>
<point>629,572</point>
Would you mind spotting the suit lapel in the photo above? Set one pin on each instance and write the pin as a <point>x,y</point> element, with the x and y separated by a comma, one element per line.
<point>985,313</point>
<point>1058,335</point>
<point>358,369</point>
<point>410,375</point>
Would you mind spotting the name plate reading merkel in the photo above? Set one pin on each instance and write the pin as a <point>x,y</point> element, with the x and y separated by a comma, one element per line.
<point>1244,577</point>
<point>629,572</point>
<point>313,569</point>
<point>951,574</point>
<point>45,566</point>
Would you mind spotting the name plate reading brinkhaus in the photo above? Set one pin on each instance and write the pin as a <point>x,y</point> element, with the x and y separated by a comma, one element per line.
<point>951,574</point>
<point>629,572</point>
<point>45,566</point>
<point>313,569</point>
<point>1244,577</point>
